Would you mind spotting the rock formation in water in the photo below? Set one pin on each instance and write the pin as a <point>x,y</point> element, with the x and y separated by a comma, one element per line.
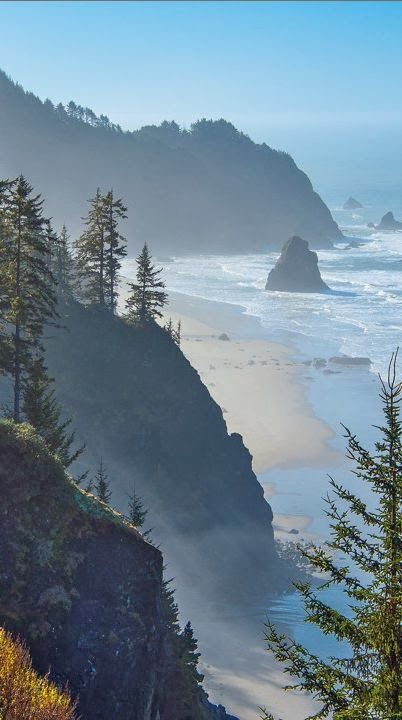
<point>202,190</point>
<point>388,223</point>
<point>352,204</point>
<point>84,590</point>
<point>353,245</point>
<point>296,270</point>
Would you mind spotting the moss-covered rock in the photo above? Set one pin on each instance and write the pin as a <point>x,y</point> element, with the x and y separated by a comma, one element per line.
<point>84,589</point>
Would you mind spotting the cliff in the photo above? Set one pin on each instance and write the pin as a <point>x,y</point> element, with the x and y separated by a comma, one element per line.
<point>139,404</point>
<point>84,589</point>
<point>205,190</point>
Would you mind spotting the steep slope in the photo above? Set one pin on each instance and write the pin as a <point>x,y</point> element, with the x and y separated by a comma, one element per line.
<point>138,403</point>
<point>84,589</point>
<point>210,189</point>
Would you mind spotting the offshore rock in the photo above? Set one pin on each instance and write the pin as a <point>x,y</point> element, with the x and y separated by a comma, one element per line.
<point>296,269</point>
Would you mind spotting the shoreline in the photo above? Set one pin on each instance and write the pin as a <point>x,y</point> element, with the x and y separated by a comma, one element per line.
<point>257,382</point>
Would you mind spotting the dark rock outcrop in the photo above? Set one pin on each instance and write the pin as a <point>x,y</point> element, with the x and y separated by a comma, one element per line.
<point>353,245</point>
<point>138,402</point>
<point>84,590</point>
<point>296,269</point>
<point>352,204</point>
<point>202,190</point>
<point>388,223</point>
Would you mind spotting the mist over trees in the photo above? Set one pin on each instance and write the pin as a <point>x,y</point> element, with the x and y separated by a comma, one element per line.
<point>205,189</point>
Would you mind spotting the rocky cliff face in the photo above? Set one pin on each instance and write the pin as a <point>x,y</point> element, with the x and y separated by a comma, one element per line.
<point>84,590</point>
<point>209,189</point>
<point>296,269</point>
<point>138,403</point>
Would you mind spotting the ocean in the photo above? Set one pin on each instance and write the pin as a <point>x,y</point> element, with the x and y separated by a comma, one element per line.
<point>362,316</point>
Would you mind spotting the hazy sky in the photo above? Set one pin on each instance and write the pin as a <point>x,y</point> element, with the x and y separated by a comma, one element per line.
<point>299,75</point>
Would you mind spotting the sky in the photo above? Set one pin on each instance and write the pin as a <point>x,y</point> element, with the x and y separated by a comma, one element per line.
<point>318,79</point>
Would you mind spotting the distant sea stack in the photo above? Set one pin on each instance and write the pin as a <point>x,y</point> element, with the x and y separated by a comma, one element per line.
<point>352,204</point>
<point>388,223</point>
<point>296,269</point>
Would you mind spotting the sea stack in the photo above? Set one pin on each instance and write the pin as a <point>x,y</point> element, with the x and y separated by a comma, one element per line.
<point>296,269</point>
<point>352,204</point>
<point>388,223</point>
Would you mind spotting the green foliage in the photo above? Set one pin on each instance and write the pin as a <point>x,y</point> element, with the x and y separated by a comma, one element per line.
<point>64,268</point>
<point>136,514</point>
<point>114,210</point>
<point>27,284</point>
<point>147,296</point>
<point>42,411</point>
<point>175,333</point>
<point>364,558</point>
<point>99,250</point>
<point>101,485</point>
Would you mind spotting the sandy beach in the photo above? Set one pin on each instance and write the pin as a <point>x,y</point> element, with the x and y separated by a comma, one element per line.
<point>256,383</point>
<point>262,392</point>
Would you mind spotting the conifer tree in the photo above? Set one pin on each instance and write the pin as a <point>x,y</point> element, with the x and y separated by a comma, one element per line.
<point>63,267</point>
<point>101,485</point>
<point>169,327</point>
<point>28,294</point>
<point>147,296</point>
<point>91,254</point>
<point>114,210</point>
<point>177,334</point>
<point>137,514</point>
<point>42,411</point>
<point>364,558</point>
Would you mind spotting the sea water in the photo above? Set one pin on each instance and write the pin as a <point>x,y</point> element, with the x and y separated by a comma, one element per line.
<point>362,316</point>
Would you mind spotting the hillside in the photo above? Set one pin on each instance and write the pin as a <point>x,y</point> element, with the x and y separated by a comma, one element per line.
<point>84,590</point>
<point>209,189</point>
<point>139,404</point>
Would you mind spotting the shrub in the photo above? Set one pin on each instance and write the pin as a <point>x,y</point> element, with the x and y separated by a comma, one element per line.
<point>24,695</point>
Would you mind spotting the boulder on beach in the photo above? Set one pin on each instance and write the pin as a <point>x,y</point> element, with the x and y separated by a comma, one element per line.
<point>349,361</point>
<point>352,204</point>
<point>296,269</point>
<point>388,223</point>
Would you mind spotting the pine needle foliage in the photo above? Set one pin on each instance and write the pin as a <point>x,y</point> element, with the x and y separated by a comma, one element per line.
<point>64,268</point>
<point>101,486</point>
<point>27,292</point>
<point>100,249</point>
<point>24,695</point>
<point>91,257</point>
<point>364,558</point>
<point>137,514</point>
<point>147,297</point>
<point>114,211</point>
<point>42,411</point>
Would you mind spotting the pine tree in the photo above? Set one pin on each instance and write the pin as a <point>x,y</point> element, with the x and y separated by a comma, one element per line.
<point>188,654</point>
<point>28,295</point>
<point>147,296</point>
<point>63,268</point>
<point>101,485</point>
<point>114,210</point>
<point>137,514</point>
<point>177,334</point>
<point>91,254</point>
<point>364,558</point>
<point>42,411</point>
<point>169,327</point>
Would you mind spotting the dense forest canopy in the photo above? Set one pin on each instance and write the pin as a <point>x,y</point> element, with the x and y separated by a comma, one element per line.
<point>208,188</point>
